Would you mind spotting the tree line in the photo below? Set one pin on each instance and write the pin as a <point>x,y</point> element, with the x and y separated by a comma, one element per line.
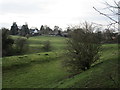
<point>25,31</point>
<point>15,47</point>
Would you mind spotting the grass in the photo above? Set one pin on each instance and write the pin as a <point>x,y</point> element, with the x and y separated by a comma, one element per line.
<point>43,75</point>
<point>12,61</point>
<point>38,70</point>
<point>102,75</point>
<point>96,77</point>
<point>57,43</point>
<point>35,70</point>
<point>36,43</point>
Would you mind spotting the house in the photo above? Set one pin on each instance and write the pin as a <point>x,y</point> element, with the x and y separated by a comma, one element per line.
<point>34,32</point>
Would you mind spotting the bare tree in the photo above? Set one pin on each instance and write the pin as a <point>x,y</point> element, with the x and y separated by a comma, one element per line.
<point>82,49</point>
<point>115,13</point>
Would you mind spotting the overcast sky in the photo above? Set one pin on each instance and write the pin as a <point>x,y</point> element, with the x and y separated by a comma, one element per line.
<point>51,12</point>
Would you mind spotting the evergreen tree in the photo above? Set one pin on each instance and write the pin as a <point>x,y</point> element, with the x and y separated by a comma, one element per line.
<point>7,43</point>
<point>14,29</point>
<point>24,30</point>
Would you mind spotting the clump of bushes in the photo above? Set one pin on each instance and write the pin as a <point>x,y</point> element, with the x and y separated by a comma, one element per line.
<point>7,43</point>
<point>13,47</point>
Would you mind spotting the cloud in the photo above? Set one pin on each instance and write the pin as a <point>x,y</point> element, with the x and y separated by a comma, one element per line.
<point>26,7</point>
<point>49,12</point>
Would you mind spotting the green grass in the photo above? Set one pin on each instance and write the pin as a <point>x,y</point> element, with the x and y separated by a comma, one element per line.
<point>35,70</point>
<point>36,43</point>
<point>9,62</point>
<point>43,75</point>
<point>57,43</point>
<point>38,70</point>
<point>98,76</point>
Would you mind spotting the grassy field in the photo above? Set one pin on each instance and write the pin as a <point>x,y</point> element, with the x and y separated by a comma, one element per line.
<point>38,70</point>
<point>36,43</point>
<point>35,70</point>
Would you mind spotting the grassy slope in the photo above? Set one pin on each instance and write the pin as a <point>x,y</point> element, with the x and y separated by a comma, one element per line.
<point>36,43</point>
<point>98,76</point>
<point>34,70</point>
<point>34,76</point>
<point>38,74</point>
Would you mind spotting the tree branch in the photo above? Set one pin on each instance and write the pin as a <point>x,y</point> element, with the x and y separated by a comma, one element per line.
<point>117,5</point>
<point>106,15</point>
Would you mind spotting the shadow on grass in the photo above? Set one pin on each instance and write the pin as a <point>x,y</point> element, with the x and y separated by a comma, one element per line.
<point>27,64</point>
<point>17,66</point>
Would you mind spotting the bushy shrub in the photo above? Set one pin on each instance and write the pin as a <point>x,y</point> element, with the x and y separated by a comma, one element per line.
<point>7,43</point>
<point>47,46</point>
<point>27,36</point>
<point>82,50</point>
<point>21,45</point>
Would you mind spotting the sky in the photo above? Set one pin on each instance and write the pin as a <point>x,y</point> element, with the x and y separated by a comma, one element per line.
<point>62,13</point>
